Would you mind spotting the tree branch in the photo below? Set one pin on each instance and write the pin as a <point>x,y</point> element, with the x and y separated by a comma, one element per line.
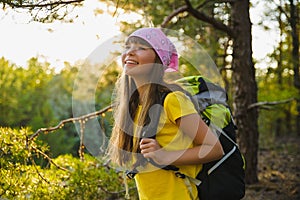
<point>39,5</point>
<point>199,15</point>
<point>63,122</point>
<point>203,17</point>
<point>48,158</point>
<point>38,172</point>
<point>173,14</point>
<point>268,103</point>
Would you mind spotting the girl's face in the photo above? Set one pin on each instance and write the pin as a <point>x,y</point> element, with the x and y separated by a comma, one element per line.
<point>138,59</point>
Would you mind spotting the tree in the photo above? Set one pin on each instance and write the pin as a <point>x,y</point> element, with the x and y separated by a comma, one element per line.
<point>294,20</point>
<point>245,92</point>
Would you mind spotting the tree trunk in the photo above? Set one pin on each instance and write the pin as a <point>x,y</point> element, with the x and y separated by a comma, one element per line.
<point>245,88</point>
<point>294,16</point>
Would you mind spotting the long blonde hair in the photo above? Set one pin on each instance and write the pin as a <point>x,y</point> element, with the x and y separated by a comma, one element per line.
<point>122,142</point>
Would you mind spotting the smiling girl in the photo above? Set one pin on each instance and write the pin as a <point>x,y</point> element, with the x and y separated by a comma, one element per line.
<point>181,139</point>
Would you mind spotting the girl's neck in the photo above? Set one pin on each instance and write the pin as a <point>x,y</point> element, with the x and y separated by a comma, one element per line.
<point>142,93</point>
<point>141,84</point>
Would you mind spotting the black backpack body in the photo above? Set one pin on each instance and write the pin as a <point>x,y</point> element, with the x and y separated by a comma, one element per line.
<point>226,182</point>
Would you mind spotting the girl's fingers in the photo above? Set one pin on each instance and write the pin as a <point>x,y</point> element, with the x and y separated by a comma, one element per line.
<point>150,148</point>
<point>148,145</point>
<point>146,140</point>
<point>147,148</point>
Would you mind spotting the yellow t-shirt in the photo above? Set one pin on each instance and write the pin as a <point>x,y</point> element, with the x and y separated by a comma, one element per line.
<point>159,184</point>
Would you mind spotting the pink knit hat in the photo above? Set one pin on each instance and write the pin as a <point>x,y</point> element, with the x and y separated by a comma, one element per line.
<point>162,45</point>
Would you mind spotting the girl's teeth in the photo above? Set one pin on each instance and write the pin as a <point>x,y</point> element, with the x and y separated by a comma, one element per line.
<point>131,62</point>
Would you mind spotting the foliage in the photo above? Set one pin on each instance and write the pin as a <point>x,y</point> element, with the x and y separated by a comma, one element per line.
<point>23,94</point>
<point>38,97</point>
<point>60,89</point>
<point>65,177</point>
<point>27,97</point>
<point>277,120</point>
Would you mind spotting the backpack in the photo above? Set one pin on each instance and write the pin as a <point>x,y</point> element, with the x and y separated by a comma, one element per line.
<point>222,179</point>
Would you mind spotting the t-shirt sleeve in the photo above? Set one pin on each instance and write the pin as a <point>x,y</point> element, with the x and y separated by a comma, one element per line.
<point>177,105</point>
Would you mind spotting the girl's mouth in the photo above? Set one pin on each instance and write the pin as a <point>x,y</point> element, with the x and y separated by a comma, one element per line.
<point>131,62</point>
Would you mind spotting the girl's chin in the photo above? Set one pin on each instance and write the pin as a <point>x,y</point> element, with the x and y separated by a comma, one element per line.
<point>132,70</point>
<point>128,70</point>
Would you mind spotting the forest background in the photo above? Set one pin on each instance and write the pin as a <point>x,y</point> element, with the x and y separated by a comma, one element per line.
<point>264,96</point>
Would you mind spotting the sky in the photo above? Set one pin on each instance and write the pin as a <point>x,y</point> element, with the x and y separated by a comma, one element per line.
<point>58,42</point>
<point>54,42</point>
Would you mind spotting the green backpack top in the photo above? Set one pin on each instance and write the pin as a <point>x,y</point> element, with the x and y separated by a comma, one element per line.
<point>211,99</point>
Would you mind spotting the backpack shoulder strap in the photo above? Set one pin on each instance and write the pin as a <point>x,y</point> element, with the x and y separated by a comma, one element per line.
<point>150,130</point>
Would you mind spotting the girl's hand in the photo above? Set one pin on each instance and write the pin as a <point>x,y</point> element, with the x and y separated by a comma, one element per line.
<point>151,149</point>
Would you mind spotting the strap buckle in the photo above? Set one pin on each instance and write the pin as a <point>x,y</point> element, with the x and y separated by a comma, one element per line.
<point>180,175</point>
<point>131,174</point>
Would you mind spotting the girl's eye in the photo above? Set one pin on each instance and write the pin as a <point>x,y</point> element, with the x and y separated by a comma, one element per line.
<point>141,48</point>
<point>135,48</point>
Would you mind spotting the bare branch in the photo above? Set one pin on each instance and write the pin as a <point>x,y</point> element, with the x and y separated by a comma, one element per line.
<point>48,158</point>
<point>175,13</point>
<point>81,146</point>
<point>75,119</point>
<point>215,23</point>
<point>54,3</point>
<point>37,171</point>
<point>205,18</point>
<point>268,103</point>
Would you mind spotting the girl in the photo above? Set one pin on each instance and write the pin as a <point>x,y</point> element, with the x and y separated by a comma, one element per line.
<point>181,139</point>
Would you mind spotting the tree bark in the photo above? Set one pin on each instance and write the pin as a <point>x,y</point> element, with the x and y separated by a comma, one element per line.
<point>245,88</point>
<point>294,16</point>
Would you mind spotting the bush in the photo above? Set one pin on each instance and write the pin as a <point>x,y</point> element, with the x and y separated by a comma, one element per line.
<point>64,177</point>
